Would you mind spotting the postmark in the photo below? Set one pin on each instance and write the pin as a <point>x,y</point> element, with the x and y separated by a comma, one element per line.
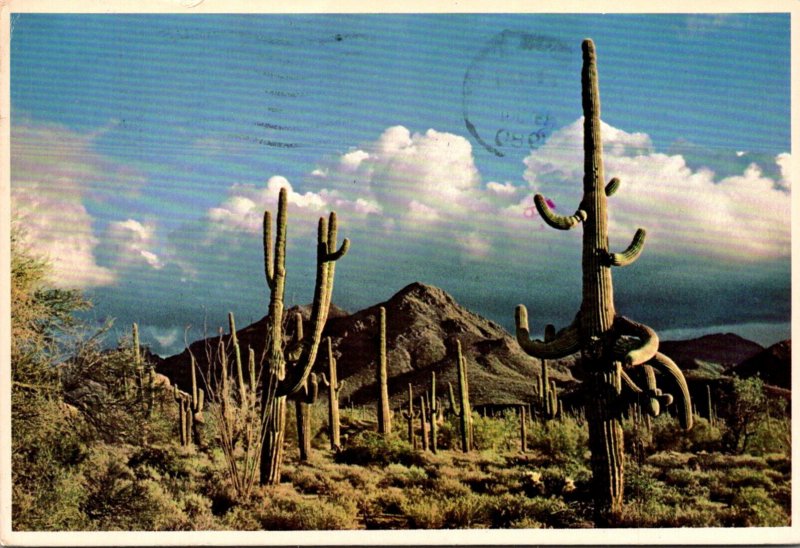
<point>512,89</point>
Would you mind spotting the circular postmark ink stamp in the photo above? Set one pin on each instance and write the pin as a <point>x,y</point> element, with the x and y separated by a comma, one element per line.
<point>513,91</point>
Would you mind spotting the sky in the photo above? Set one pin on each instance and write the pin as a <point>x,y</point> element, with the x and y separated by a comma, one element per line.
<point>145,149</point>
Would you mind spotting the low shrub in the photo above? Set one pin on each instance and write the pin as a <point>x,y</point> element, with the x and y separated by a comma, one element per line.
<point>371,448</point>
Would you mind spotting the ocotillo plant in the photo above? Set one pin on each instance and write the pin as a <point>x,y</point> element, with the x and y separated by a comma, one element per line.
<point>464,413</point>
<point>381,379</point>
<point>410,415</point>
<point>611,346</point>
<point>279,381</point>
<point>334,388</point>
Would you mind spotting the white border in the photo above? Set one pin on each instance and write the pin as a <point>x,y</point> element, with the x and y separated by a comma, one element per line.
<point>748,536</point>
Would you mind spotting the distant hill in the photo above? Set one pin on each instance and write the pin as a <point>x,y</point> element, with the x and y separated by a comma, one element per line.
<point>725,350</point>
<point>773,365</point>
<point>423,323</point>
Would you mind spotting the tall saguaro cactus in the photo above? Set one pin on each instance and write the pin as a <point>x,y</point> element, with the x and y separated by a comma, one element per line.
<point>278,380</point>
<point>465,412</point>
<point>615,352</point>
<point>384,411</point>
<point>334,387</point>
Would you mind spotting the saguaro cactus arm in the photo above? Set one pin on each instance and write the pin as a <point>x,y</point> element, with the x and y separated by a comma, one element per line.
<point>639,353</point>
<point>670,370</point>
<point>631,253</point>
<point>566,342</point>
<point>326,240</point>
<point>612,186</point>
<point>560,222</point>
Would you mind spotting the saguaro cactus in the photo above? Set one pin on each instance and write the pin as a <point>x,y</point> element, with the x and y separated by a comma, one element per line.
<point>423,421</point>
<point>433,412</point>
<point>613,349</point>
<point>277,380</point>
<point>523,428</point>
<point>384,412</point>
<point>410,415</point>
<point>465,411</point>
<point>334,387</point>
<point>303,402</point>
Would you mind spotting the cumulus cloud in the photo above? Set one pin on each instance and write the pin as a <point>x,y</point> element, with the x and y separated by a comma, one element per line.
<point>743,217</point>
<point>53,172</point>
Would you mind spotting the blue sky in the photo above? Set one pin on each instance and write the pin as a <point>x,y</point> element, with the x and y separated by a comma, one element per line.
<point>146,147</point>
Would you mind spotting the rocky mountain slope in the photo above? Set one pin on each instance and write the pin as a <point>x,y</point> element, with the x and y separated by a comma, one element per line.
<point>423,324</point>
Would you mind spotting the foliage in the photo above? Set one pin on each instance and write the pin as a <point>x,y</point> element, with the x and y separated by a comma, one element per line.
<point>495,434</point>
<point>370,448</point>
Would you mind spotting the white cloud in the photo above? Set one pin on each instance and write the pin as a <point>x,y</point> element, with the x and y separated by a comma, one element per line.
<point>739,218</point>
<point>131,243</point>
<point>53,171</point>
<point>352,160</point>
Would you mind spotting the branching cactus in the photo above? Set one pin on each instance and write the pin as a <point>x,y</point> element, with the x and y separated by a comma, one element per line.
<point>614,350</point>
<point>334,388</point>
<point>381,379</point>
<point>190,411</point>
<point>277,380</point>
<point>464,412</point>
<point>410,415</point>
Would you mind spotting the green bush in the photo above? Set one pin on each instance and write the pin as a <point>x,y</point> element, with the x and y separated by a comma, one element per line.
<point>560,440</point>
<point>755,507</point>
<point>289,511</point>
<point>371,448</point>
<point>496,433</point>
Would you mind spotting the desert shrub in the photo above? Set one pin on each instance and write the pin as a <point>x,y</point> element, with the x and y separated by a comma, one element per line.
<point>755,507</point>
<point>371,448</point>
<point>560,440</point>
<point>435,509</point>
<point>289,511</point>
<point>117,500</point>
<point>399,475</point>
<point>496,433</point>
<point>703,436</point>
<point>514,511</point>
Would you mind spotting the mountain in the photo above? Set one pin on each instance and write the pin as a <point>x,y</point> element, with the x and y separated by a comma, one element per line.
<point>423,324</point>
<point>709,354</point>
<point>773,365</point>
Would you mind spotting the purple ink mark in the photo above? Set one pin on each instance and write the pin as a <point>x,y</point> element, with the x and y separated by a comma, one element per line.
<point>531,213</point>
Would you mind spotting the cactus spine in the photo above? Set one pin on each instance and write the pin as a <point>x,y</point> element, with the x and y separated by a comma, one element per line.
<point>334,388</point>
<point>410,415</point>
<point>277,381</point>
<point>611,346</point>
